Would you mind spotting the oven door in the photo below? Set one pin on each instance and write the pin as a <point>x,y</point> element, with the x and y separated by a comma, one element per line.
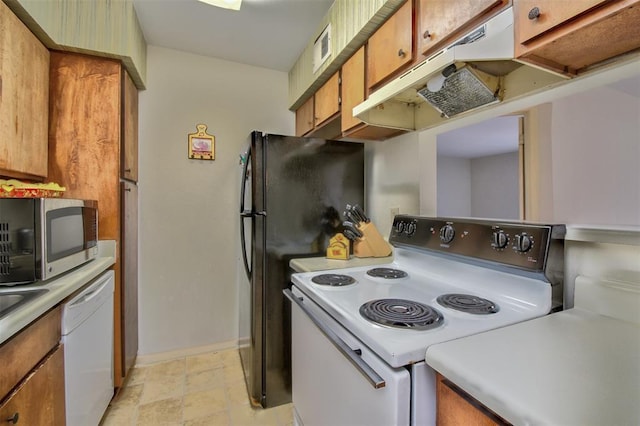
<point>336,380</point>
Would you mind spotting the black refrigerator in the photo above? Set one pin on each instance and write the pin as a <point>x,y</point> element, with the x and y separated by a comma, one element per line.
<point>293,191</point>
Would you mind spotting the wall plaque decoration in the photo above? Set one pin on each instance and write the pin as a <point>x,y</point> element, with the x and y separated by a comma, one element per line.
<point>202,146</point>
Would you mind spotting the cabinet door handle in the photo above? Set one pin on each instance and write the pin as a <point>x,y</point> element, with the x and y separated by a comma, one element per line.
<point>127,170</point>
<point>534,13</point>
<point>426,34</point>
<point>14,419</point>
<point>401,53</point>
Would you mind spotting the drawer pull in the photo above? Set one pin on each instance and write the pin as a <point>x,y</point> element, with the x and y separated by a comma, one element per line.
<point>401,53</point>
<point>14,419</point>
<point>426,34</point>
<point>534,13</point>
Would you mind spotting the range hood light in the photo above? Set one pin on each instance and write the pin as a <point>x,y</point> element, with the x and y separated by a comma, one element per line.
<point>436,83</point>
<point>225,4</point>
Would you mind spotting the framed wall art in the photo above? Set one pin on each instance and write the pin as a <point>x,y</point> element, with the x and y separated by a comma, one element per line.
<point>202,146</point>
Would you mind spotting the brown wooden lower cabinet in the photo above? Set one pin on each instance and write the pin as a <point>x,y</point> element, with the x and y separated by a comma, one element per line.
<point>457,408</point>
<point>39,400</point>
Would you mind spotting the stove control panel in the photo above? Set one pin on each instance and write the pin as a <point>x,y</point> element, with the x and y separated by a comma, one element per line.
<point>518,244</point>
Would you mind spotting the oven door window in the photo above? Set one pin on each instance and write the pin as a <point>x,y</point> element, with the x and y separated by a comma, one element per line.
<point>69,231</point>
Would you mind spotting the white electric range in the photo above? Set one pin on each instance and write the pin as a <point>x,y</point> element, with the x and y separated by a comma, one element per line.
<point>359,335</point>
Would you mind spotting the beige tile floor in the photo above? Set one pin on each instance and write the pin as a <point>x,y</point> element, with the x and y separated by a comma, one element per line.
<point>200,390</point>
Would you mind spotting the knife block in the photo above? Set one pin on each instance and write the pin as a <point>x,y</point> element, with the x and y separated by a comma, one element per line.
<point>371,244</point>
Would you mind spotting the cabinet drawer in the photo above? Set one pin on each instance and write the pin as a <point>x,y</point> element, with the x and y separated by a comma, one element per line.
<point>27,348</point>
<point>535,17</point>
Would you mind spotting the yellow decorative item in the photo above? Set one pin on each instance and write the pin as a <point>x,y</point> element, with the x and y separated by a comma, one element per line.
<point>14,188</point>
<point>202,146</point>
<point>338,247</point>
<point>371,244</point>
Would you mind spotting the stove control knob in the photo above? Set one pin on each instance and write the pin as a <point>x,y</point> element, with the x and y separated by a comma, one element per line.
<point>523,243</point>
<point>447,233</point>
<point>499,239</point>
<point>400,227</point>
<point>411,228</point>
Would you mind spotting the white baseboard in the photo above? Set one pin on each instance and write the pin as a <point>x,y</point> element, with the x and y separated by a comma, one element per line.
<point>181,353</point>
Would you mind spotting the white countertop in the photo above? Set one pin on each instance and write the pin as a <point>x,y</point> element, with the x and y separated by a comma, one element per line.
<point>574,367</point>
<point>312,264</point>
<point>59,289</point>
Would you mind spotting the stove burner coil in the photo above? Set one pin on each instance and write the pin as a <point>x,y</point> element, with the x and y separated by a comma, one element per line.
<point>388,273</point>
<point>333,280</point>
<point>401,313</point>
<point>468,303</point>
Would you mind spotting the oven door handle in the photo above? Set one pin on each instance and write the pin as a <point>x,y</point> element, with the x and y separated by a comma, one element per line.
<point>353,355</point>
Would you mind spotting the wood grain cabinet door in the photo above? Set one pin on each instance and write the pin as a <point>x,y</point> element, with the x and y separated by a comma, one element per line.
<point>39,400</point>
<point>304,118</point>
<point>129,128</point>
<point>390,48</point>
<point>327,100</point>
<point>569,36</point>
<point>352,89</point>
<point>439,20</point>
<point>24,99</point>
<point>535,17</point>
<point>455,407</point>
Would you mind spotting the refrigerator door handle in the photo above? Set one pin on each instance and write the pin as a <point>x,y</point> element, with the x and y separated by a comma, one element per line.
<point>245,178</point>
<point>245,213</point>
<point>247,267</point>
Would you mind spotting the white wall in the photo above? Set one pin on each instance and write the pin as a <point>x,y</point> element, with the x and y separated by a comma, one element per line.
<point>188,208</point>
<point>454,186</point>
<point>484,187</point>
<point>588,150</point>
<point>495,187</point>
<point>595,155</point>
<point>393,170</point>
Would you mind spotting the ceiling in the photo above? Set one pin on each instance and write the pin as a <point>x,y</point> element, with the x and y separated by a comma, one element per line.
<point>265,33</point>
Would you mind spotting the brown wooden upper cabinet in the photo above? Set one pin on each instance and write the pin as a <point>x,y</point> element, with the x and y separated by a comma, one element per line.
<point>440,20</point>
<point>320,110</point>
<point>24,99</point>
<point>327,100</point>
<point>537,16</point>
<point>352,89</point>
<point>304,117</point>
<point>390,48</point>
<point>567,36</point>
<point>353,93</point>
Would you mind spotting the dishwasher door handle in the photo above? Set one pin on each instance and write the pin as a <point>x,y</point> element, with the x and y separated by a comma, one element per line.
<point>91,294</point>
<point>353,355</point>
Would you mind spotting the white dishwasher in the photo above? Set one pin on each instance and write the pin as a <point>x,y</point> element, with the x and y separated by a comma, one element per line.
<point>87,335</point>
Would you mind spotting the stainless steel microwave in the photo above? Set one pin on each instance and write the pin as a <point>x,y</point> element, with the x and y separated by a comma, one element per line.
<point>44,237</point>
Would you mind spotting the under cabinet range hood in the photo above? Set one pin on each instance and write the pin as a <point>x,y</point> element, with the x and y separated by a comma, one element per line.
<point>477,70</point>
